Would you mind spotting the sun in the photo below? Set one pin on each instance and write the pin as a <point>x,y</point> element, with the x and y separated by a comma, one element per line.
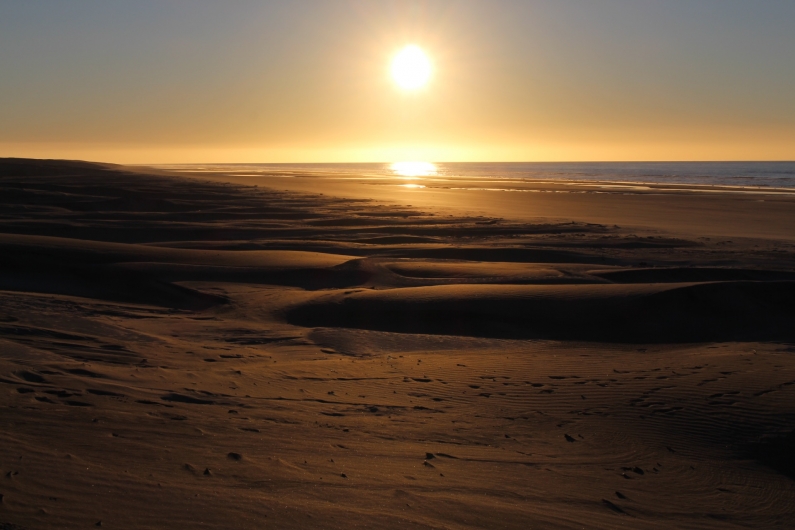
<point>411,68</point>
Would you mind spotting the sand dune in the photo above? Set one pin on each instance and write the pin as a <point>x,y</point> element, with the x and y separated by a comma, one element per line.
<point>637,313</point>
<point>185,353</point>
<point>143,274</point>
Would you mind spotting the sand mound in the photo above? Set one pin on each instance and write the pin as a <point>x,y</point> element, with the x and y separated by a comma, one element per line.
<point>58,168</point>
<point>143,274</point>
<point>662,313</point>
<point>691,274</point>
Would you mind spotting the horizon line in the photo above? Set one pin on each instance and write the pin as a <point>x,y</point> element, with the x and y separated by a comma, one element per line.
<point>734,161</point>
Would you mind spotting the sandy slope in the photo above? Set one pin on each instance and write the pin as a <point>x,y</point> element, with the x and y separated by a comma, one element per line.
<point>177,353</point>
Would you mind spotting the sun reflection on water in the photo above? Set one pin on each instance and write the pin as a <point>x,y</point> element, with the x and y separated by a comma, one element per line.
<point>413,169</point>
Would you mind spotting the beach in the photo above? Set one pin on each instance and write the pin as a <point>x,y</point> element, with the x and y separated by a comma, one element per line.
<point>227,350</point>
<point>694,205</point>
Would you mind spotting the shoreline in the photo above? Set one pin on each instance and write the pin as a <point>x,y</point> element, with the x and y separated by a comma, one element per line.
<point>664,209</point>
<point>636,185</point>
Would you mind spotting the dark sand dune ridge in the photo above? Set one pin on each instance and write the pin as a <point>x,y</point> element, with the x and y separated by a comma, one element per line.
<point>183,352</point>
<point>645,313</point>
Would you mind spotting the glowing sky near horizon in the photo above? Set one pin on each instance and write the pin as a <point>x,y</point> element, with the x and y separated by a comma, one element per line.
<point>311,81</point>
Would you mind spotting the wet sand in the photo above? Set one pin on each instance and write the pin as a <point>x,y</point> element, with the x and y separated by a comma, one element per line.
<point>192,351</point>
<point>681,209</point>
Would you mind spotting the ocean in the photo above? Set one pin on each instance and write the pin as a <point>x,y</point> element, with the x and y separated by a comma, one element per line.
<point>733,174</point>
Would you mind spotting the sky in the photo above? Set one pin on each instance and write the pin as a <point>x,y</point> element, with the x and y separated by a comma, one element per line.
<point>196,81</point>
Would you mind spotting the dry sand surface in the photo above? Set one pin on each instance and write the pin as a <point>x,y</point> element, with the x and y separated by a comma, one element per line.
<point>178,352</point>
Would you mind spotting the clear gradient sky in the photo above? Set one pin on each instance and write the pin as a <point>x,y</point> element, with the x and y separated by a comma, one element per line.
<point>153,81</point>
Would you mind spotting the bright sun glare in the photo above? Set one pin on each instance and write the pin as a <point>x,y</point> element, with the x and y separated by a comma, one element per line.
<point>411,68</point>
<point>413,169</point>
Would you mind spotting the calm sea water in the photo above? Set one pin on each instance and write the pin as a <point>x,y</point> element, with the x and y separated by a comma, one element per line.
<point>754,174</point>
